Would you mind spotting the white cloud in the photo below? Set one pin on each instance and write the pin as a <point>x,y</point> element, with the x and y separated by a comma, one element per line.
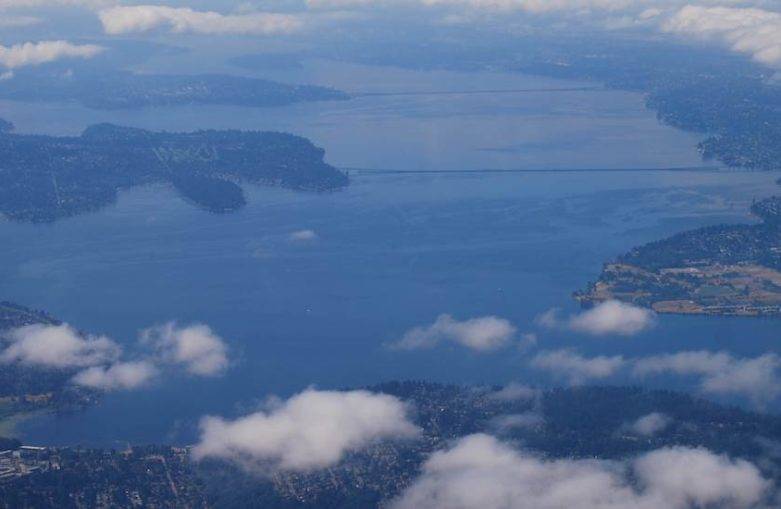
<point>575,368</point>
<point>480,334</point>
<point>57,346</point>
<point>480,472</point>
<point>719,373</point>
<point>143,18</point>
<point>683,477</point>
<point>302,236</point>
<point>757,378</point>
<point>100,359</point>
<point>752,27</point>
<point>62,347</point>
<point>649,425</point>
<point>313,429</point>
<point>36,53</point>
<point>123,375</point>
<point>606,318</point>
<point>613,317</point>
<point>753,31</point>
<point>196,347</point>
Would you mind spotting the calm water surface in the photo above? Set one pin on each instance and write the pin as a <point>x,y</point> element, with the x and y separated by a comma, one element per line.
<point>544,129</point>
<point>393,250</point>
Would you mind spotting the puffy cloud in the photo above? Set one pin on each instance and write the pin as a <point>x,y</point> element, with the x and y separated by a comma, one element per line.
<point>575,368</point>
<point>721,373</point>
<point>36,53</point>
<point>480,472</point>
<point>480,334</point>
<point>649,425</point>
<point>123,375</point>
<point>142,18</point>
<point>607,318</point>
<point>302,236</point>
<point>313,429</point>
<point>747,26</point>
<point>613,317</point>
<point>100,359</point>
<point>684,477</point>
<point>196,347</point>
<point>754,31</point>
<point>57,346</point>
<point>62,347</point>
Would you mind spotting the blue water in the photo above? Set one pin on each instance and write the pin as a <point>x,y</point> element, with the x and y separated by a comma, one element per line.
<point>393,250</point>
<point>544,129</point>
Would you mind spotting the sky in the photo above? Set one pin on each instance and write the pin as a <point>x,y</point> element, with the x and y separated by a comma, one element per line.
<point>39,31</point>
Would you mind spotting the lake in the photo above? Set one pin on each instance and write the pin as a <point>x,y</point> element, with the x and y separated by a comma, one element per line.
<point>393,251</point>
<point>423,122</point>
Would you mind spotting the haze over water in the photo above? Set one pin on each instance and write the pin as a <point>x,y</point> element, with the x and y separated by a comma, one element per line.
<point>391,252</point>
<point>541,129</point>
